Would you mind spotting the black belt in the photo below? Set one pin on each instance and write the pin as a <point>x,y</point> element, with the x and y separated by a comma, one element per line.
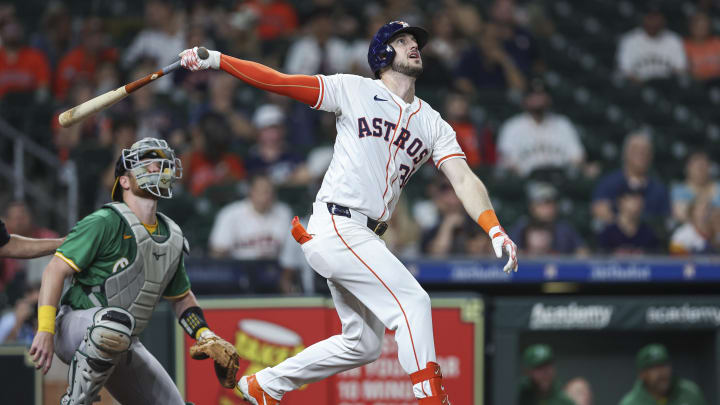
<point>378,227</point>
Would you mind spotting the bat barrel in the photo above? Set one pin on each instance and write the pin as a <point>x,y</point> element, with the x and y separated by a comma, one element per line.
<point>91,106</point>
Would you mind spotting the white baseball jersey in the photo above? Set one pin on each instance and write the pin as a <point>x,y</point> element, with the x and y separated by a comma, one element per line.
<point>526,145</point>
<point>381,142</point>
<point>261,236</point>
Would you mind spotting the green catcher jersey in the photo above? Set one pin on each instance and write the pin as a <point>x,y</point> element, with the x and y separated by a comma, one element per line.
<point>682,392</point>
<point>102,244</point>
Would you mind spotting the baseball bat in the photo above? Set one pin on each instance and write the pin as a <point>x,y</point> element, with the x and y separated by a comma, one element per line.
<point>103,101</point>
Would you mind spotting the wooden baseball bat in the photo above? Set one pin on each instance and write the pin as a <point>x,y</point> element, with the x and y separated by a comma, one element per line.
<point>103,101</point>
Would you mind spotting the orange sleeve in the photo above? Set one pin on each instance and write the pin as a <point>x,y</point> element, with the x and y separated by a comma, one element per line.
<point>303,88</point>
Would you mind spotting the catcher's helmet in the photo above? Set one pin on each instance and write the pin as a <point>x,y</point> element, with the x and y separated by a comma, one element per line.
<point>137,159</point>
<point>380,54</point>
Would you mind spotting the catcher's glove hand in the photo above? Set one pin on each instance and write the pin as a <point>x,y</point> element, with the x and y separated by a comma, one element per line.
<point>223,354</point>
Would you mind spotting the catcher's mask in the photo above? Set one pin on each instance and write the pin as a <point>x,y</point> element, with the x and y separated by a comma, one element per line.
<point>136,160</point>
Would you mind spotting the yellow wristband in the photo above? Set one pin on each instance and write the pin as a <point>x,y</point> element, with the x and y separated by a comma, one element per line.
<point>46,318</point>
<point>200,331</point>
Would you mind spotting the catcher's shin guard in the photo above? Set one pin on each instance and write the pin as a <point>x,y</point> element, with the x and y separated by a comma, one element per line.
<point>105,340</point>
<point>253,394</point>
<point>430,378</point>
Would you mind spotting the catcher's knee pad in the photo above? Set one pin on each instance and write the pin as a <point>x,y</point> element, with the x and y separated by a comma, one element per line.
<point>105,340</point>
<point>428,382</point>
<point>111,331</point>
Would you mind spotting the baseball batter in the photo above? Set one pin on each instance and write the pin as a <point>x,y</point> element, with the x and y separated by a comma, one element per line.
<point>384,134</point>
<point>122,259</point>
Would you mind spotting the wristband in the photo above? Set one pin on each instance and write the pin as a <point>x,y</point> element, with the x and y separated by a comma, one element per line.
<point>193,321</point>
<point>201,331</point>
<point>487,220</point>
<point>46,318</point>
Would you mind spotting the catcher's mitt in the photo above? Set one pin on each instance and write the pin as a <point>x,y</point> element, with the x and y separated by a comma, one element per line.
<point>223,354</point>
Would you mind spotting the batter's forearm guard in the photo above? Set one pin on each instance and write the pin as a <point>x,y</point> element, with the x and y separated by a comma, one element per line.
<point>192,320</point>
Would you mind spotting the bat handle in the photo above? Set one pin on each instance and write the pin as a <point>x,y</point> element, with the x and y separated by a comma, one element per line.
<point>171,68</point>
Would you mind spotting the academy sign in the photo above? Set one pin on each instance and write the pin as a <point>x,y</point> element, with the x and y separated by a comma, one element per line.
<point>570,316</point>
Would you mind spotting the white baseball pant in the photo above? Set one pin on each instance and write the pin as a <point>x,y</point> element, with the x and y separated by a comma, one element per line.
<point>372,290</point>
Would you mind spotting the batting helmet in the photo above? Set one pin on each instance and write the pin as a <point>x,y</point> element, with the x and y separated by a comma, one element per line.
<point>380,54</point>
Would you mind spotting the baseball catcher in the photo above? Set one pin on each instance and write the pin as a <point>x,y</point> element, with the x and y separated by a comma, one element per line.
<point>122,259</point>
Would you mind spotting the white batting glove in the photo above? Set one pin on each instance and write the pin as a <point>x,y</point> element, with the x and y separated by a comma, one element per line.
<point>190,60</point>
<point>501,241</point>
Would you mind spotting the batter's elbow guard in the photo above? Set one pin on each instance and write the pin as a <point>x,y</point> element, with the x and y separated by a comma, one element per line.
<point>192,320</point>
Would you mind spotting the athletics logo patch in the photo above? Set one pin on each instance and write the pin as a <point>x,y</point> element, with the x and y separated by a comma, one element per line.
<point>120,264</point>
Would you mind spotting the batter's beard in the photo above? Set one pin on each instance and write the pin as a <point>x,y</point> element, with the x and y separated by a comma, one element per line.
<point>406,69</point>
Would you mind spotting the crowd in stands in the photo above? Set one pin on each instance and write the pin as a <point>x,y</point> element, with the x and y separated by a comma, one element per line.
<point>252,160</point>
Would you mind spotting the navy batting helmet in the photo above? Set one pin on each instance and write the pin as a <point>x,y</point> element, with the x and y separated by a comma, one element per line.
<point>381,54</point>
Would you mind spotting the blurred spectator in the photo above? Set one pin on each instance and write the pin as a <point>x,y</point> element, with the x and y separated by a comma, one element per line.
<point>403,234</point>
<point>538,386</point>
<point>477,243</point>
<point>19,220</point>
<point>22,69</point>
<point>698,184</point>
<point>161,40</point>
<point>18,325</point>
<point>696,234</point>
<point>504,56</point>
<point>703,49</point>
<point>319,51</point>
<point>518,41</point>
<point>477,143</point>
<point>221,101</point>
<point>489,64</point>
<point>454,232</point>
<point>537,239</point>
<point>53,38</point>
<point>83,62</point>
<point>20,247</point>
<point>543,219</point>
<point>236,33</point>
<point>655,383</point>
<point>651,51</point>
<point>538,138</point>
<point>121,136</point>
<point>92,156</point>
<point>635,174</point>
<point>67,139</point>
<point>441,52</point>
<point>275,19</point>
<point>271,154</point>
<point>629,234</point>
<point>404,10</point>
<point>358,49</point>
<point>579,391</point>
<point>156,116</point>
<point>210,162</point>
<point>254,228</point>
